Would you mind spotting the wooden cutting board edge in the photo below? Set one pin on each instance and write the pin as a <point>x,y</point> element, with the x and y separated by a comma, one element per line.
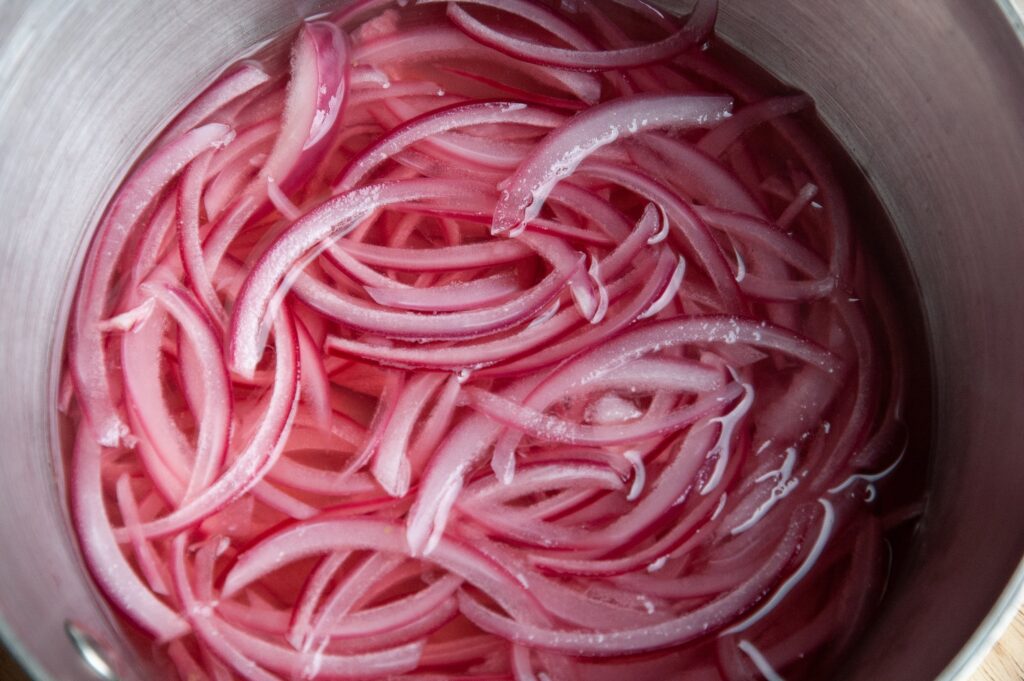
<point>1006,660</point>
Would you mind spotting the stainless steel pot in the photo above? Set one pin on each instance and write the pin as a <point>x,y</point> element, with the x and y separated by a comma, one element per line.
<point>928,96</point>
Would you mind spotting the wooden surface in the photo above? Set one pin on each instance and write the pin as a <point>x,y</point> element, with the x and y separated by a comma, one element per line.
<point>1005,663</point>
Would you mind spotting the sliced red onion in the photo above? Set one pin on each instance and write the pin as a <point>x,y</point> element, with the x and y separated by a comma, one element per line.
<point>558,155</point>
<point>243,80</point>
<point>498,152</point>
<point>315,385</point>
<point>722,447</point>
<point>315,95</point>
<point>215,419</point>
<point>163,444</point>
<point>419,327</point>
<point>670,292</point>
<point>282,204</point>
<point>696,30</point>
<point>718,140</point>
<point>441,43</point>
<point>145,556</point>
<point>551,429</point>
<point>827,522</point>
<point>108,566</point>
<point>329,220</point>
<point>332,74</point>
<point>684,218</point>
<point>433,123</point>
<point>87,356</point>
<point>391,465</point>
<point>312,592</point>
<point>542,478</point>
<point>150,250</point>
<point>677,631</point>
<point>621,315</point>
<point>131,320</point>
<point>391,616</point>
<point>342,599</point>
<point>190,245</point>
<point>804,197</point>
<point>453,297</point>
<point>442,259</point>
<point>518,93</point>
<point>314,537</point>
<point>259,453</point>
<point>384,411</point>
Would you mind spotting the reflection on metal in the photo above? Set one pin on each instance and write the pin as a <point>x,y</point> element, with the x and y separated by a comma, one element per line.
<point>91,652</point>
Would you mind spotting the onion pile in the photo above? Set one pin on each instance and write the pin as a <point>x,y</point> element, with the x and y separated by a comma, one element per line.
<point>486,340</point>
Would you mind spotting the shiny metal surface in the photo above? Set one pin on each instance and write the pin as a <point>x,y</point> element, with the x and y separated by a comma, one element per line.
<point>928,95</point>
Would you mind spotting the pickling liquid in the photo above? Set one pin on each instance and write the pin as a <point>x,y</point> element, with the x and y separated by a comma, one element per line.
<point>334,418</point>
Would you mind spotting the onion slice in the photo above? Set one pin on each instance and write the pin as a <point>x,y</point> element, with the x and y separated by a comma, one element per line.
<point>558,155</point>
<point>695,31</point>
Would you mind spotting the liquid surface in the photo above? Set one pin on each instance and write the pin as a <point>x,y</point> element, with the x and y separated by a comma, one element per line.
<point>495,340</point>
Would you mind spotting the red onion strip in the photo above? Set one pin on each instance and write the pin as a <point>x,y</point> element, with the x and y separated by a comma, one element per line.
<point>87,356</point>
<point>103,556</point>
<point>697,29</point>
<point>215,418</point>
<point>558,155</point>
<point>262,449</point>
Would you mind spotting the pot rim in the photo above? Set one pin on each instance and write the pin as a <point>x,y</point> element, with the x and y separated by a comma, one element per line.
<point>968,660</point>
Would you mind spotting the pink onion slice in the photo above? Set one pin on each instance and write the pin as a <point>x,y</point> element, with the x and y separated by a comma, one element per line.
<point>330,219</point>
<point>263,448</point>
<point>551,429</point>
<point>150,250</point>
<point>696,30</point>
<point>684,219</point>
<point>314,98</point>
<point>718,140</point>
<point>539,15</point>
<point>87,356</point>
<point>190,243</point>
<point>477,356</point>
<point>243,80</point>
<point>442,43</point>
<point>558,155</point>
<point>395,614</point>
<point>343,598</point>
<point>541,478</point>
<point>520,94</point>
<point>315,537</point>
<point>677,631</point>
<point>312,592</point>
<point>332,74</point>
<point>315,385</point>
<point>145,556</point>
<point>114,576</point>
<point>620,316</point>
<point>163,447</point>
<point>434,123</point>
<point>391,465</point>
<point>384,411</point>
<point>457,296</point>
<point>215,419</point>
<point>203,623</point>
<point>417,326</point>
<point>441,259</point>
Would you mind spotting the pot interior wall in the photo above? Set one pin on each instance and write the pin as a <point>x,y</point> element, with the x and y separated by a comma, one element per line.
<point>928,96</point>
